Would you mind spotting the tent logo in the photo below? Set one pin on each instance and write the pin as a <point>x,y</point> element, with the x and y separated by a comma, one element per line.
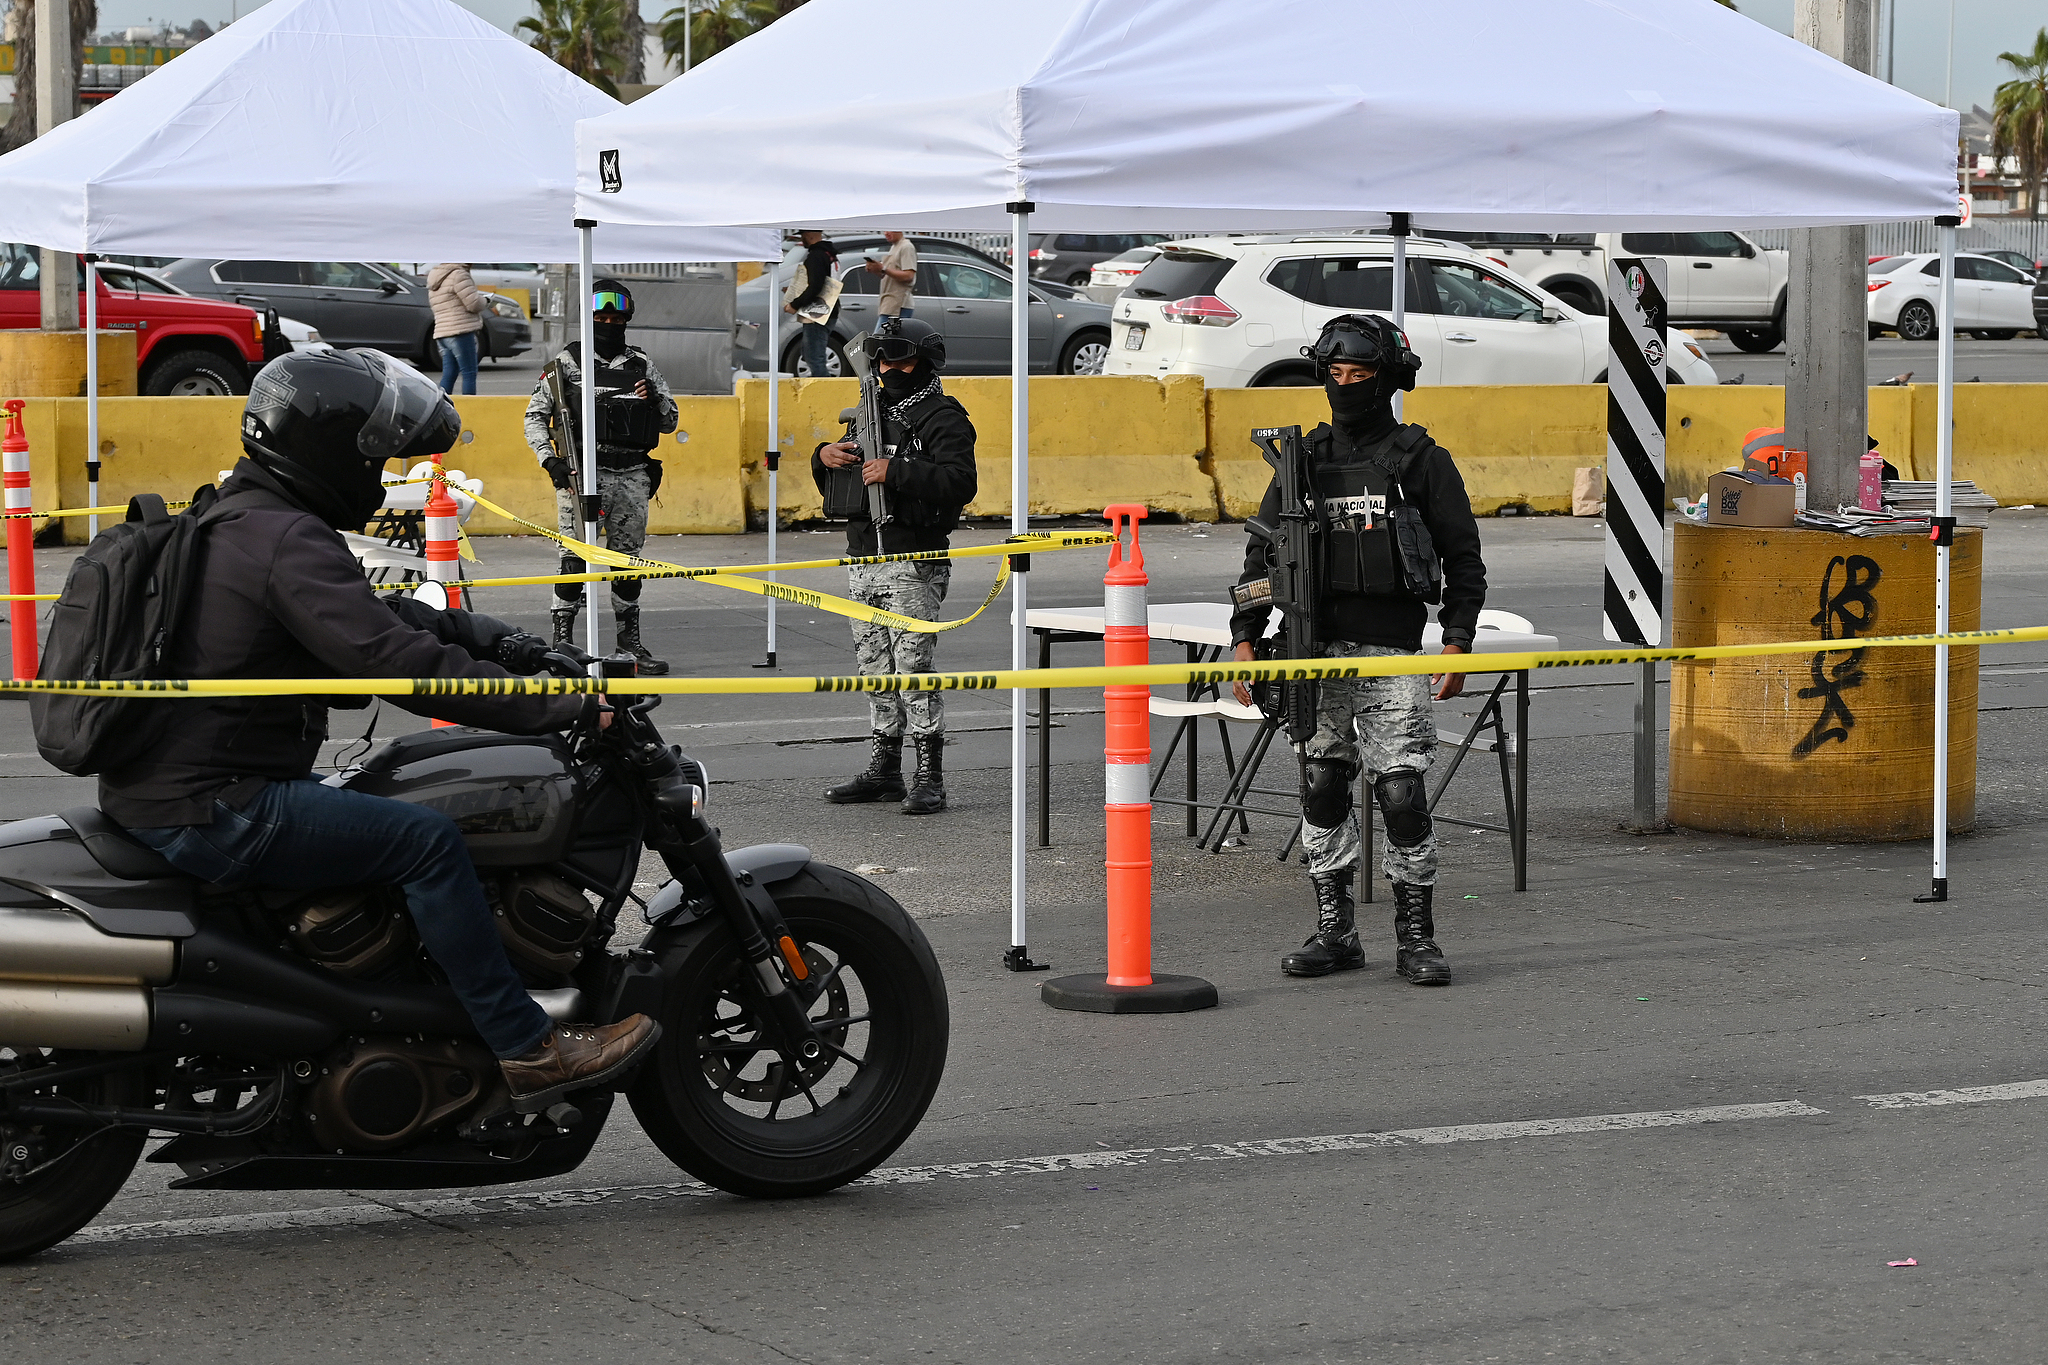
<point>608,171</point>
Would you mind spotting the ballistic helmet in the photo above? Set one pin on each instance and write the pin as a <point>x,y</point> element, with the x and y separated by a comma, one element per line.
<point>1366,339</point>
<point>607,295</point>
<point>904,338</point>
<point>322,423</point>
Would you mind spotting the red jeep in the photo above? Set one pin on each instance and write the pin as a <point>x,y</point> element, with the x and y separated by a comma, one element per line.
<point>183,345</point>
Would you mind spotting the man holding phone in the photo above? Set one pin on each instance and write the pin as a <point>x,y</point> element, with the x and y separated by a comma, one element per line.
<point>898,269</point>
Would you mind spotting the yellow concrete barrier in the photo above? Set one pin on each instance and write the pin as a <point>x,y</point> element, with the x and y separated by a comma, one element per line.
<point>36,364</point>
<point>1094,441</point>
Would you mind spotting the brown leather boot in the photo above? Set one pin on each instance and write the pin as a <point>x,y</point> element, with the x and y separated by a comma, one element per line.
<point>574,1057</point>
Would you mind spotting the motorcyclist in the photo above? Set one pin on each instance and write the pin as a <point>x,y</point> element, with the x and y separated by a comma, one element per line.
<point>929,481</point>
<point>1365,455</point>
<point>229,795</point>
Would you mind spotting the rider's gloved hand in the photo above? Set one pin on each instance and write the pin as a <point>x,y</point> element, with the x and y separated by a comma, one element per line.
<point>559,473</point>
<point>523,653</point>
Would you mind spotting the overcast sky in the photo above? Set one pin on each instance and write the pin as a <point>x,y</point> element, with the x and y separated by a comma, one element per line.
<point>1984,28</point>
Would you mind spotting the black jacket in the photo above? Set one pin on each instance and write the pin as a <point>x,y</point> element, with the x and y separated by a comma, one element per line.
<point>1395,619</point>
<point>278,595</point>
<point>930,480</point>
<point>819,263</point>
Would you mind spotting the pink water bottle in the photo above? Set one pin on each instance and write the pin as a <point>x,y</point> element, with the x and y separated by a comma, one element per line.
<point>1870,487</point>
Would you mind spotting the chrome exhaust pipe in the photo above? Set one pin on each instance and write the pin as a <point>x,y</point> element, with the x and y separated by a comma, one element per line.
<point>63,983</point>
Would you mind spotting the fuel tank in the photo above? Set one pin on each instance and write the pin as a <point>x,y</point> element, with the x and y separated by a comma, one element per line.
<point>514,797</point>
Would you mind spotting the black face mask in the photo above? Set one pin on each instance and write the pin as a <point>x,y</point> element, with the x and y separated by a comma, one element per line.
<point>1358,405</point>
<point>898,385</point>
<point>609,337</point>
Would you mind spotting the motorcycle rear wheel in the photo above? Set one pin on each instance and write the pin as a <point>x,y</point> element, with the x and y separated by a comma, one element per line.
<point>734,1114</point>
<point>54,1180</point>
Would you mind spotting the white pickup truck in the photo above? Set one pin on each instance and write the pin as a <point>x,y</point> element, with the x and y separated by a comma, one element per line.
<point>1718,279</point>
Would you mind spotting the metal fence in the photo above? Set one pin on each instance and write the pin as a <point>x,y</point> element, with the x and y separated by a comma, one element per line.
<point>2026,236</point>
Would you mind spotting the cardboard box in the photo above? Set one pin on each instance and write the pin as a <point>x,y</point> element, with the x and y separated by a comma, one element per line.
<point>1739,498</point>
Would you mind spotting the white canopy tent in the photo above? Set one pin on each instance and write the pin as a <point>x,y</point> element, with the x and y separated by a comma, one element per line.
<point>1105,115</point>
<point>335,129</point>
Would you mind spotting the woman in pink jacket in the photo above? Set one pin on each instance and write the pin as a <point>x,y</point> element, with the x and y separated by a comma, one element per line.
<point>458,317</point>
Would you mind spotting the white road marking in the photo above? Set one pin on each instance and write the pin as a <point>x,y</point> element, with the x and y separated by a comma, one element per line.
<point>1979,1094</point>
<point>362,1215</point>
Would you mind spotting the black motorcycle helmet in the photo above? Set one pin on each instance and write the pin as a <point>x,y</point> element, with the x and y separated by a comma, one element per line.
<point>902,338</point>
<point>609,296</point>
<point>1366,339</point>
<point>323,423</point>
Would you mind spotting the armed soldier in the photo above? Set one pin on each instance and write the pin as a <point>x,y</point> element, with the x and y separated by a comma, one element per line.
<point>1379,527</point>
<point>634,409</point>
<point>901,483</point>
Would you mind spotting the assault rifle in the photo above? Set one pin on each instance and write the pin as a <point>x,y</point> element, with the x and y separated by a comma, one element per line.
<point>869,433</point>
<point>564,428</point>
<point>1295,549</point>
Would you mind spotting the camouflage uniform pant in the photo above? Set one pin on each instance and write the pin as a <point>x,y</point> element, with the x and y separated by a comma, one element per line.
<point>913,588</point>
<point>1381,724</point>
<point>622,526</point>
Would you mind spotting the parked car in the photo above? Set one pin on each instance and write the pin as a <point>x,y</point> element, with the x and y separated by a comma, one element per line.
<point>1994,301</point>
<point>1068,257</point>
<point>352,304</point>
<point>2041,306</point>
<point>183,345</point>
<point>1111,277</point>
<point>143,280</point>
<point>2018,260</point>
<point>961,291</point>
<point>1238,311</point>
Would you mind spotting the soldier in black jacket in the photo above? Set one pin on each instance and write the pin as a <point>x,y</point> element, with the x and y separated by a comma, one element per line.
<point>928,481</point>
<point>1366,457</point>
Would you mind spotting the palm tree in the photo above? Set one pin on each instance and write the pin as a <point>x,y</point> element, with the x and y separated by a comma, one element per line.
<point>2019,118</point>
<point>715,25</point>
<point>588,37</point>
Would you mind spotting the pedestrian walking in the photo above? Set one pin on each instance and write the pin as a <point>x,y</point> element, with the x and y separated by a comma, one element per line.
<point>458,317</point>
<point>634,409</point>
<point>816,277</point>
<point>898,269</point>
<point>927,477</point>
<point>1368,468</point>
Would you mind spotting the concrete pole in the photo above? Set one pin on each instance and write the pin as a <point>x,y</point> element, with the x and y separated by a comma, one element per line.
<point>1827,400</point>
<point>57,102</point>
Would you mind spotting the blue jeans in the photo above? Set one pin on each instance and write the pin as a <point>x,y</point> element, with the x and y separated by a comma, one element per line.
<point>458,352</point>
<point>301,835</point>
<point>817,354</point>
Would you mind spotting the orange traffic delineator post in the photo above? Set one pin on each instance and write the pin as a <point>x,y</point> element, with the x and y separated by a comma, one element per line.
<point>1129,986</point>
<point>443,553</point>
<point>21,542</point>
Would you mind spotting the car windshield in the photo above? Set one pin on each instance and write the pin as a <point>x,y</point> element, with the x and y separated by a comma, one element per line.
<point>1180,275</point>
<point>1888,265</point>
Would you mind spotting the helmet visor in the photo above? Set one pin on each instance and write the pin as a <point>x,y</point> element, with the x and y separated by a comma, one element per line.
<point>405,407</point>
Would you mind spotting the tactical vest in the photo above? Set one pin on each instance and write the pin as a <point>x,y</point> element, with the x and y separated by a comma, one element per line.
<point>1377,544</point>
<point>846,496</point>
<point>628,427</point>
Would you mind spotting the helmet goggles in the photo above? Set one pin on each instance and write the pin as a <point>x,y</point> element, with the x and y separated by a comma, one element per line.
<point>610,301</point>
<point>889,346</point>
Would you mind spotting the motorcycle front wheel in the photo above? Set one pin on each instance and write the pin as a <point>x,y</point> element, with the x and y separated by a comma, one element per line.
<point>54,1178</point>
<point>723,1105</point>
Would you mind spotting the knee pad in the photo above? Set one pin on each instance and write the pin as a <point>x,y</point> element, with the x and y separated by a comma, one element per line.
<point>1326,792</point>
<point>1406,807</point>
<point>626,589</point>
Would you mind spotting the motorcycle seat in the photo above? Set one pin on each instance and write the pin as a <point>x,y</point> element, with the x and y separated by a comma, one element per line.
<point>114,848</point>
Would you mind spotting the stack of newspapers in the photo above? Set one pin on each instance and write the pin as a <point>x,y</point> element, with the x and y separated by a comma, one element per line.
<point>1915,497</point>
<point>1857,522</point>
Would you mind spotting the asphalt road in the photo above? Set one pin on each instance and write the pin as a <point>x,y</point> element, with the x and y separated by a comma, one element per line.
<point>1688,1099</point>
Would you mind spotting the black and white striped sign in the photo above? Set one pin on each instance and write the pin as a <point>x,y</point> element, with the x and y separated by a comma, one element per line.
<point>1632,610</point>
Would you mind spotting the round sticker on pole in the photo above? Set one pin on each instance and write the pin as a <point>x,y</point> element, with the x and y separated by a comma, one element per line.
<point>1963,209</point>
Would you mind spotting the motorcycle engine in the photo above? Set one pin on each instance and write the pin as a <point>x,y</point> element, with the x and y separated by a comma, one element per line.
<point>360,931</point>
<point>367,932</point>
<point>377,1094</point>
<point>544,923</point>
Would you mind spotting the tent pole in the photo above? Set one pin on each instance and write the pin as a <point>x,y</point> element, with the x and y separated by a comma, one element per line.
<point>1944,539</point>
<point>772,457</point>
<point>1017,959</point>
<point>92,393</point>
<point>1399,229</point>
<point>586,332</point>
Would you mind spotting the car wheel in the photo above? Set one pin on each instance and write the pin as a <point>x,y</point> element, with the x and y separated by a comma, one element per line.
<point>1286,377</point>
<point>430,352</point>
<point>836,364</point>
<point>1756,340</point>
<point>1999,334</point>
<point>1086,353</point>
<point>1078,278</point>
<point>1916,321</point>
<point>195,374</point>
<point>1579,299</point>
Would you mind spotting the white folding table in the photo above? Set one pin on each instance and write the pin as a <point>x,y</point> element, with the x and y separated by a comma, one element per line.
<point>1204,628</point>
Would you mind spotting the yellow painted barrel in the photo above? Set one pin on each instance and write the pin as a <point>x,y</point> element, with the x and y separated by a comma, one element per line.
<point>1837,745</point>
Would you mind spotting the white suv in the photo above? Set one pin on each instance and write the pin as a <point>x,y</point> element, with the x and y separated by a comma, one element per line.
<point>1238,310</point>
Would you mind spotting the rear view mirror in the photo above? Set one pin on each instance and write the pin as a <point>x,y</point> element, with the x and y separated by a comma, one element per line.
<point>1552,313</point>
<point>431,594</point>
<point>389,287</point>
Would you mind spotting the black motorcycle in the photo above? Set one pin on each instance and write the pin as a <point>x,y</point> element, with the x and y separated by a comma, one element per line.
<point>306,1041</point>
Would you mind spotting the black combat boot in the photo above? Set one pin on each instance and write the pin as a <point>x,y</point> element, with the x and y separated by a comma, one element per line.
<point>629,643</point>
<point>883,781</point>
<point>565,624</point>
<point>1333,947</point>
<point>1416,955</point>
<point>928,788</point>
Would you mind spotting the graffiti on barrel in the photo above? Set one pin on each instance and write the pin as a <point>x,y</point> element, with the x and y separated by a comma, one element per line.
<point>1846,611</point>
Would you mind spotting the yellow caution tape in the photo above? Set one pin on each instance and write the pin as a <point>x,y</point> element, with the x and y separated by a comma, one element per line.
<point>998,680</point>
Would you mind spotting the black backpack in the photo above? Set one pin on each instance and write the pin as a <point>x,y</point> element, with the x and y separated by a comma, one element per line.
<point>123,602</point>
